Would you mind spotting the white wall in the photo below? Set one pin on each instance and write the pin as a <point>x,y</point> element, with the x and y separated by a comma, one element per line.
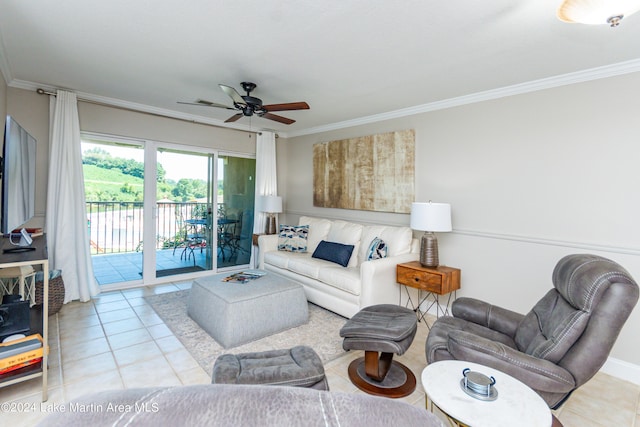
<point>530,178</point>
<point>114,121</point>
<point>3,102</point>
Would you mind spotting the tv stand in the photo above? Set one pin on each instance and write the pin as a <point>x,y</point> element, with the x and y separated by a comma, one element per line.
<point>36,254</point>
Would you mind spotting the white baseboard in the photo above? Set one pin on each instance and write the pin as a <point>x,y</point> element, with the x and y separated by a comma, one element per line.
<point>623,370</point>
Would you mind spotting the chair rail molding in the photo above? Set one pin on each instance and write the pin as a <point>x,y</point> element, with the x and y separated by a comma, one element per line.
<point>548,242</point>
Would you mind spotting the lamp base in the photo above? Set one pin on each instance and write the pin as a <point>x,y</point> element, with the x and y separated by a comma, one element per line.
<point>429,250</point>
<point>270,227</point>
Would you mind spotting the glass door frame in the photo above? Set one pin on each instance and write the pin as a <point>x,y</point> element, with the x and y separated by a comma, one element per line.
<point>227,154</point>
<point>135,143</point>
<point>151,209</point>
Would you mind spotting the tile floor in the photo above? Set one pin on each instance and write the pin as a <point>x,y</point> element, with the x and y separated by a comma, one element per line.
<point>117,342</point>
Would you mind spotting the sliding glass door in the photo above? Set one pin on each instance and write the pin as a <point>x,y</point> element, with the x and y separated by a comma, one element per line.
<point>158,210</point>
<point>184,212</point>
<point>114,194</point>
<point>235,207</point>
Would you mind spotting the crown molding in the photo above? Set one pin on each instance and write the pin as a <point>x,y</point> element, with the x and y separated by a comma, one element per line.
<point>127,105</point>
<point>606,71</point>
<point>597,73</point>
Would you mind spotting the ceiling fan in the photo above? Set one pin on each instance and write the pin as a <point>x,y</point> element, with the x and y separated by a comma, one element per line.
<point>249,105</point>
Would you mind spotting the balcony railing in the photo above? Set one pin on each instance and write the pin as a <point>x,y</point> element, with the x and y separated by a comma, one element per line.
<point>117,227</point>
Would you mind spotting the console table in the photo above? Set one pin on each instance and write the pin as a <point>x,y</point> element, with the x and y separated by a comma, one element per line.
<point>434,281</point>
<point>38,256</point>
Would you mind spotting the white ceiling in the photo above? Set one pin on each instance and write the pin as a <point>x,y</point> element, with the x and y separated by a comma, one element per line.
<point>351,60</point>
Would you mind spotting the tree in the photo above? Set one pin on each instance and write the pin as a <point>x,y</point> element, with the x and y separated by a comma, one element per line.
<point>189,189</point>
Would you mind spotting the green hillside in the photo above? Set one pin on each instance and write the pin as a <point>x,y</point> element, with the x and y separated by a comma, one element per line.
<point>111,185</point>
<point>102,184</point>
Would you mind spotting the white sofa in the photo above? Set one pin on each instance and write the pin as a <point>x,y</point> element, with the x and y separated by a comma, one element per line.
<point>343,290</point>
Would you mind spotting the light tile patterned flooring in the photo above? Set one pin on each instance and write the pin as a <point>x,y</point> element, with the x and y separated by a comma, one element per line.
<point>117,342</point>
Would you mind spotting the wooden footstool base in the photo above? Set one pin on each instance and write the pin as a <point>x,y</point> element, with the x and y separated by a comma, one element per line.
<point>381,331</point>
<point>382,376</point>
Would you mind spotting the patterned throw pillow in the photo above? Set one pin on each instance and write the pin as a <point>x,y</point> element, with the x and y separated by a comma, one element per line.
<point>377,249</point>
<point>293,238</point>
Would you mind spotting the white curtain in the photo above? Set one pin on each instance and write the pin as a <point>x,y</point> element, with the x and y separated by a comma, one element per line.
<point>266,178</point>
<point>66,219</point>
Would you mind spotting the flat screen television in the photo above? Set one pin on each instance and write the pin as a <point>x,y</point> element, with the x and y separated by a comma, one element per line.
<point>18,176</point>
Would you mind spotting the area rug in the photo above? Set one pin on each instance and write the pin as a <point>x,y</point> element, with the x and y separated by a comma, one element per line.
<point>321,332</point>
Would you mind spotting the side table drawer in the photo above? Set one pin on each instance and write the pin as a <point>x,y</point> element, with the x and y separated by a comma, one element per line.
<point>440,280</point>
<point>419,279</point>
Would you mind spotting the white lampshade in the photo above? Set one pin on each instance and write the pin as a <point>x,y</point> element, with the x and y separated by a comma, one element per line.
<point>270,204</point>
<point>597,11</point>
<point>431,216</point>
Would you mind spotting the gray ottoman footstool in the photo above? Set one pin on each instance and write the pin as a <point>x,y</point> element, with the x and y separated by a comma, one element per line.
<point>299,366</point>
<point>384,329</point>
<point>237,313</point>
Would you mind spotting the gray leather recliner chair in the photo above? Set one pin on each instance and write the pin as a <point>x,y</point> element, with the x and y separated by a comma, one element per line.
<point>560,344</point>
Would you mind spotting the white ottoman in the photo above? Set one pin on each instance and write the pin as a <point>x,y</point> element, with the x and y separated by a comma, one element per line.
<point>237,313</point>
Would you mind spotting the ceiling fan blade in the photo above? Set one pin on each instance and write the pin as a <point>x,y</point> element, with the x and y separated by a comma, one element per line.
<point>204,103</point>
<point>234,118</point>
<point>233,94</point>
<point>287,106</point>
<point>276,118</point>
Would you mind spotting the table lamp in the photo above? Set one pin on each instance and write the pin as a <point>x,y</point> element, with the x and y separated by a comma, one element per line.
<point>271,205</point>
<point>430,217</point>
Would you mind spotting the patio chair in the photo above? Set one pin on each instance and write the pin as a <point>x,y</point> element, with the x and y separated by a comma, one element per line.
<point>193,235</point>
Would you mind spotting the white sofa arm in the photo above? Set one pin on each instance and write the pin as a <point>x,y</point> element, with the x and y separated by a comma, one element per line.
<point>378,278</point>
<point>266,243</point>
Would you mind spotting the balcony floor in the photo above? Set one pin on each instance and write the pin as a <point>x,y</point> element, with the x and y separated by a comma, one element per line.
<point>127,266</point>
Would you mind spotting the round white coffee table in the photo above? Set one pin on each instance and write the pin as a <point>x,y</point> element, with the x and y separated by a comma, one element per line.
<point>516,403</point>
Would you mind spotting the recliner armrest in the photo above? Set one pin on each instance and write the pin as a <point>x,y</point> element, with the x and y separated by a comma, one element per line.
<point>484,314</point>
<point>539,374</point>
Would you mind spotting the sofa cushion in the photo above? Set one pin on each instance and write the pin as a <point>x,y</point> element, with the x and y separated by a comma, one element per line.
<point>346,279</point>
<point>281,259</point>
<point>293,238</point>
<point>398,240</point>
<point>334,252</point>
<point>347,233</point>
<point>307,266</point>
<point>377,249</point>
<point>318,230</point>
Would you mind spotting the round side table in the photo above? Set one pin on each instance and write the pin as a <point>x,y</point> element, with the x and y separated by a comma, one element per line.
<point>516,403</point>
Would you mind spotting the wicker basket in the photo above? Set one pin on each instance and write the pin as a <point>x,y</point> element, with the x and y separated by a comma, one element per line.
<point>56,294</point>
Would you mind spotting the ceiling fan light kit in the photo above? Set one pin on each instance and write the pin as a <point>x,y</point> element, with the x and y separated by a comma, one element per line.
<point>249,105</point>
<point>597,12</point>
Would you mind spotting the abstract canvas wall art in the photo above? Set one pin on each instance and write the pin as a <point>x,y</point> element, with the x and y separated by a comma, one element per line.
<point>373,173</point>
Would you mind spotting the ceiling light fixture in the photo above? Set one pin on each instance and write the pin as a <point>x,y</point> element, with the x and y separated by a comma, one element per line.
<point>595,12</point>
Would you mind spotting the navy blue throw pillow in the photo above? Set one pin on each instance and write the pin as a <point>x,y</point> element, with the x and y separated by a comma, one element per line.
<point>334,252</point>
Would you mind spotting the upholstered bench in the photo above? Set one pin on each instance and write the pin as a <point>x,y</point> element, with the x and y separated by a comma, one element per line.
<point>384,329</point>
<point>237,313</point>
<point>299,366</point>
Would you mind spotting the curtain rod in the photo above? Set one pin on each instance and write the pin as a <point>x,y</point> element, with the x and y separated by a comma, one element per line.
<point>41,91</point>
